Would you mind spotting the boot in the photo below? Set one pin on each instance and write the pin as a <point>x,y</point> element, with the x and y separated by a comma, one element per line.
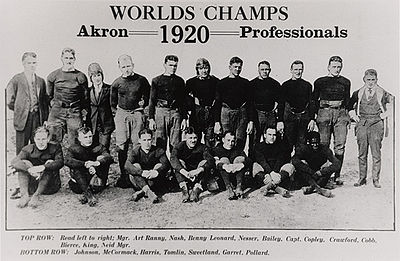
<point>194,196</point>
<point>231,194</point>
<point>92,200</point>
<point>308,190</point>
<point>283,192</point>
<point>360,183</point>
<point>239,191</point>
<point>137,195</point>
<point>35,201</point>
<point>23,201</point>
<point>83,198</point>
<point>151,195</point>
<point>123,181</point>
<point>325,192</point>
<point>376,184</point>
<point>337,179</point>
<point>185,192</point>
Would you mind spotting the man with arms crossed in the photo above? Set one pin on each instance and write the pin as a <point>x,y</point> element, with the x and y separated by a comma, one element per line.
<point>89,163</point>
<point>38,166</point>
<point>192,163</point>
<point>147,167</point>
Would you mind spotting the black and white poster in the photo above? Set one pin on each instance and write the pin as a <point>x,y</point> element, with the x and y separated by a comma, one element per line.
<point>357,223</point>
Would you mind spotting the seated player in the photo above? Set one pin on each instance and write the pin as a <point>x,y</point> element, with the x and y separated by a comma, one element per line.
<point>271,166</point>
<point>192,163</point>
<point>89,164</point>
<point>231,163</point>
<point>314,164</point>
<point>147,167</point>
<point>38,166</point>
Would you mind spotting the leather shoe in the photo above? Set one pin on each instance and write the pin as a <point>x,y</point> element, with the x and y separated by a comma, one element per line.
<point>377,185</point>
<point>360,183</point>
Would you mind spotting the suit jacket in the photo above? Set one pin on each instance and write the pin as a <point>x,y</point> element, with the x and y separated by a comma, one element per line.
<point>18,99</point>
<point>100,109</point>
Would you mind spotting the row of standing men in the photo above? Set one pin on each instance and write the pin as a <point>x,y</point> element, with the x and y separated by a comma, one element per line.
<point>234,104</point>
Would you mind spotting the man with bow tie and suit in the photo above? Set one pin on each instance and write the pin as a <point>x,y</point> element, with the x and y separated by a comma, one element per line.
<point>26,96</point>
<point>100,108</point>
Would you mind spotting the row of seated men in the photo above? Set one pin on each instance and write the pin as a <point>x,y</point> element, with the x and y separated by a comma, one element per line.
<point>195,167</point>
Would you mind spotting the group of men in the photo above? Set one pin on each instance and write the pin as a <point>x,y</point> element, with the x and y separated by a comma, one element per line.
<point>166,121</point>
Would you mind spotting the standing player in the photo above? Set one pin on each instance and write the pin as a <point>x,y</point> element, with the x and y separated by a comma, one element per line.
<point>67,88</point>
<point>233,104</point>
<point>299,113</point>
<point>203,87</point>
<point>129,95</point>
<point>332,94</point>
<point>167,110</point>
<point>267,101</point>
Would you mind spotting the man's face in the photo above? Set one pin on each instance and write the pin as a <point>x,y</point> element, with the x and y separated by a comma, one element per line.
<point>235,69</point>
<point>97,79</point>
<point>370,80</point>
<point>68,60</point>
<point>203,71</point>
<point>228,142</point>
<point>126,67</point>
<point>314,143</point>
<point>334,68</point>
<point>41,140</point>
<point>264,70</point>
<point>270,136</point>
<point>30,64</point>
<point>297,71</point>
<point>170,67</point>
<point>145,141</point>
<point>86,139</point>
<point>191,140</point>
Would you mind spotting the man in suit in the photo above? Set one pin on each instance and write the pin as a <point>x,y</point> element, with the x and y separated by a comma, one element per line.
<point>100,108</point>
<point>26,96</point>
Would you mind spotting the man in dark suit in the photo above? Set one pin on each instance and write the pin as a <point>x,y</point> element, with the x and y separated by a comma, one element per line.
<point>100,108</point>
<point>26,96</point>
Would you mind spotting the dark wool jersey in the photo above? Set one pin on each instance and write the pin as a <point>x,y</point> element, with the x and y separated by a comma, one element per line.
<point>203,89</point>
<point>315,159</point>
<point>220,152</point>
<point>39,157</point>
<point>170,88</point>
<point>68,87</point>
<point>332,89</point>
<point>126,92</point>
<point>234,92</point>
<point>148,160</point>
<point>191,157</point>
<point>77,155</point>
<point>265,93</point>
<point>272,156</point>
<point>297,93</point>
